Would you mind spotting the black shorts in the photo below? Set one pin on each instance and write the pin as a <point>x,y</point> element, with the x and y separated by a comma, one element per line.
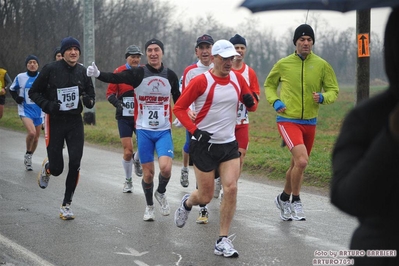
<point>2,99</point>
<point>207,157</point>
<point>126,127</point>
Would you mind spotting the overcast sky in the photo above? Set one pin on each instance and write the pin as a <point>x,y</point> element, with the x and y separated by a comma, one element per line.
<point>228,12</point>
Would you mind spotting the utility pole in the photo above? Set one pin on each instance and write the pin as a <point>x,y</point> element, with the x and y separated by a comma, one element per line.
<point>89,115</point>
<point>363,55</point>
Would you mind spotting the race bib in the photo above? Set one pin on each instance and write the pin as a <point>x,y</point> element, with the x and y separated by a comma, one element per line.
<point>128,106</point>
<point>69,98</point>
<point>242,113</point>
<point>153,116</point>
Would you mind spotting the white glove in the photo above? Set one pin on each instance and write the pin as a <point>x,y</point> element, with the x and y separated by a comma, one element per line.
<point>177,123</point>
<point>92,71</point>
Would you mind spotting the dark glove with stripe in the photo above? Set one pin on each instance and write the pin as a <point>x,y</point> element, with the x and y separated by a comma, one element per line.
<point>248,100</point>
<point>87,101</point>
<point>202,136</point>
<point>117,103</point>
<point>19,100</point>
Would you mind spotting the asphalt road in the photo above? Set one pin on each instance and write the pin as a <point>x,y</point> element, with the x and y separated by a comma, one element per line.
<point>109,227</point>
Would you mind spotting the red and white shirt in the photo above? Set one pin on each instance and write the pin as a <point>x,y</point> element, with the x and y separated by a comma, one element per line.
<point>192,71</point>
<point>216,101</point>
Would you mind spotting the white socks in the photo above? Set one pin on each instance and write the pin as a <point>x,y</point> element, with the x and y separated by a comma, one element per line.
<point>128,166</point>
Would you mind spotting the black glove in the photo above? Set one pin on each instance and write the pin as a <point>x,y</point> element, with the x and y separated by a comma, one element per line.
<point>120,106</point>
<point>115,102</point>
<point>19,99</point>
<point>248,100</point>
<point>88,101</point>
<point>202,136</point>
<point>52,107</point>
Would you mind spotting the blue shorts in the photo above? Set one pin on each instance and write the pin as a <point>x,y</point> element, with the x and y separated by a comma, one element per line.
<point>149,141</point>
<point>126,127</point>
<point>186,147</point>
<point>36,121</point>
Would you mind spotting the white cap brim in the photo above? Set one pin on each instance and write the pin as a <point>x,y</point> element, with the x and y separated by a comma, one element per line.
<point>228,53</point>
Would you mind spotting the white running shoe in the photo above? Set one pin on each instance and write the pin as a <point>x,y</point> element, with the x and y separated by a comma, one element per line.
<point>225,247</point>
<point>181,214</point>
<point>149,214</point>
<point>161,198</point>
<point>43,177</point>
<point>28,162</point>
<point>218,187</point>
<point>66,213</point>
<point>184,178</point>
<point>137,167</point>
<point>128,186</point>
<point>297,211</point>
<point>284,207</point>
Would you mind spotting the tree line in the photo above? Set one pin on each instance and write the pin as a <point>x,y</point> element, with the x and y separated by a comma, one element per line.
<point>38,26</point>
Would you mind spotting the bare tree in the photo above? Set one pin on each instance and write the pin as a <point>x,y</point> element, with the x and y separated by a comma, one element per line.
<point>38,26</point>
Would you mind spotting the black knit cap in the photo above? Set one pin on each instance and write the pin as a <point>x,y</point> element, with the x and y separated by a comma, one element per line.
<point>153,41</point>
<point>238,39</point>
<point>31,57</point>
<point>69,42</point>
<point>56,51</point>
<point>303,30</point>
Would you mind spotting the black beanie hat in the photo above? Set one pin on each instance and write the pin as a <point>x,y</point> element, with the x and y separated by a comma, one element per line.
<point>56,51</point>
<point>303,30</point>
<point>69,42</point>
<point>238,39</point>
<point>153,41</point>
<point>31,57</point>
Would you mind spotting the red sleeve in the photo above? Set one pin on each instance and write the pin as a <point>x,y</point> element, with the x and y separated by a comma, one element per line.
<point>253,81</point>
<point>246,90</point>
<point>112,88</point>
<point>195,88</point>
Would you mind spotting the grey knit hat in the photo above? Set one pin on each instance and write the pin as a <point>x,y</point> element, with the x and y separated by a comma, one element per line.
<point>131,50</point>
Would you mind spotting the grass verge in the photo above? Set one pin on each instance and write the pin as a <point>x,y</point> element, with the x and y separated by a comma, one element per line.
<point>265,157</point>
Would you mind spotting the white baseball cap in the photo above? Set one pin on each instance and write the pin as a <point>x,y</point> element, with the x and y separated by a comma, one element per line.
<point>224,48</point>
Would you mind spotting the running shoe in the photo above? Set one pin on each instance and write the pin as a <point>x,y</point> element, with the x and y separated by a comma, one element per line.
<point>161,198</point>
<point>184,178</point>
<point>66,213</point>
<point>137,167</point>
<point>28,162</point>
<point>297,211</point>
<point>203,216</point>
<point>181,214</point>
<point>128,186</point>
<point>218,187</point>
<point>225,247</point>
<point>284,207</point>
<point>43,177</point>
<point>149,214</point>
